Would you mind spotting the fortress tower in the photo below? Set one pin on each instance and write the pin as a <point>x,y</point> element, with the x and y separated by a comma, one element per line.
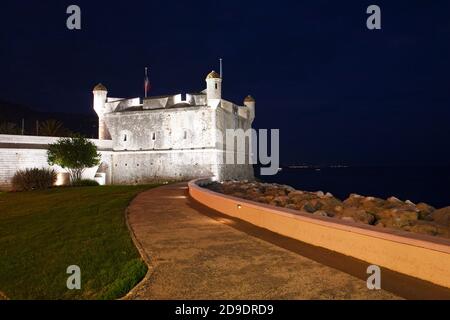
<point>249,102</point>
<point>100,95</point>
<point>213,89</point>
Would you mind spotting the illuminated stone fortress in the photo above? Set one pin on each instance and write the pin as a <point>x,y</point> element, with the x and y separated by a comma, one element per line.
<point>173,137</point>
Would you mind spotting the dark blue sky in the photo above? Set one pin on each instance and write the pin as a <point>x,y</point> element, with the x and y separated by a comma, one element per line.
<point>337,91</point>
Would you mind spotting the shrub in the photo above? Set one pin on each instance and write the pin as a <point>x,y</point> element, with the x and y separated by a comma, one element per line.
<point>85,183</point>
<point>33,179</point>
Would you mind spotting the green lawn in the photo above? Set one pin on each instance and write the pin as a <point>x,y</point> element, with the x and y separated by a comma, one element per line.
<point>43,232</point>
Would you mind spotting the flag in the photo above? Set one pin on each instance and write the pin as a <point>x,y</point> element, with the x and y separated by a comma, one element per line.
<point>146,83</point>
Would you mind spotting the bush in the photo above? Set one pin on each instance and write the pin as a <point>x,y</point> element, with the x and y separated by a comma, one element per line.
<point>33,179</point>
<point>85,183</point>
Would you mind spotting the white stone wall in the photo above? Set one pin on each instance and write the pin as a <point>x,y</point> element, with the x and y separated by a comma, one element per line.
<point>231,116</point>
<point>136,167</point>
<point>162,129</point>
<point>123,104</point>
<point>21,152</point>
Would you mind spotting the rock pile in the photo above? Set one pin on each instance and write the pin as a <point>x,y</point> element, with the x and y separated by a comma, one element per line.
<point>390,213</point>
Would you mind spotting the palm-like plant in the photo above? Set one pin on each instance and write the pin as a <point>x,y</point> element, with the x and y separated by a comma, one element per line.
<point>52,128</point>
<point>9,128</point>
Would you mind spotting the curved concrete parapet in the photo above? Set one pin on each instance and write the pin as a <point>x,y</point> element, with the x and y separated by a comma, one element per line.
<point>416,255</point>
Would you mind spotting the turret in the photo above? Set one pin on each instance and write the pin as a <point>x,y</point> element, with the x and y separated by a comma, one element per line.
<point>213,88</point>
<point>100,93</point>
<point>249,102</point>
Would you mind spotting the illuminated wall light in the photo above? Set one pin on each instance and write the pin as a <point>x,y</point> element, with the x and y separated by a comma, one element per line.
<point>239,206</point>
<point>61,179</point>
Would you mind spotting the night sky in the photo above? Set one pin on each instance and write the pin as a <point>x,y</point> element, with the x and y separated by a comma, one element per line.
<point>338,92</point>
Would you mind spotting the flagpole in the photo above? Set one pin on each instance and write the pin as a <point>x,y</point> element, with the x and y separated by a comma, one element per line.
<point>146,81</point>
<point>221,76</point>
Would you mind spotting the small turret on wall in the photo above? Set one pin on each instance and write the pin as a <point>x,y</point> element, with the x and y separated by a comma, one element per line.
<point>100,95</point>
<point>249,102</point>
<point>213,89</point>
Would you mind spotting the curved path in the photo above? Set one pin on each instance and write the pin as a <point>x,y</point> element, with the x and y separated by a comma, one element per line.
<point>198,254</point>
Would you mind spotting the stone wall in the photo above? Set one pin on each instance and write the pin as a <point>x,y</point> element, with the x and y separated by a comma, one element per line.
<point>162,129</point>
<point>135,167</point>
<point>20,152</point>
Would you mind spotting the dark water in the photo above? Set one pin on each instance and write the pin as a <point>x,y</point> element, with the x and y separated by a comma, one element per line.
<point>418,184</point>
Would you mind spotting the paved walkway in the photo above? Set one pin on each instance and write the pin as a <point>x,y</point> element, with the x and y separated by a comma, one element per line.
<point>195,254</point>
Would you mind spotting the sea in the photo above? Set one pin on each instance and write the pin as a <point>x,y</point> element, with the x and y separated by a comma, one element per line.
<point>417,184</point>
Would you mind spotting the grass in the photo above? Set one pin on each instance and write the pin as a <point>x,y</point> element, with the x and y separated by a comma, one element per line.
<point>43,232</point>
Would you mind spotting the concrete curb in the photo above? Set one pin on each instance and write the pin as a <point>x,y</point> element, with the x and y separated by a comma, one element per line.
<point>418,256</point>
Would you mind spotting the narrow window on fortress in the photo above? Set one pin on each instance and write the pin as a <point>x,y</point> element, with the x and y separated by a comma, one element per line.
<point>216,86</point>
<point>153,136</point>
<point>185,135</point>
<point>124,137</point>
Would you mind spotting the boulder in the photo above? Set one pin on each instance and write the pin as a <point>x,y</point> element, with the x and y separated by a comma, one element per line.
<point>308,207</point>
<point>328,204</point>
<point>354,200</point>
<point>395,218</point>
<point>357,214</point>
<point>280,201</point>
<point>216,187</point>
<point>322,213</point>
<point>373,205</point>
<point>288,189</point>
<point>253,193</point>
<point>394,200</point>
<point>295,193</point>
<point>265,199</point>
<point>379,224</point>
<point>355,195</point>
<point>301,195</point>
<point>395,203</point>
<point>425,211</point>
<point>349,219</point>
<point>424,227</point>
<point>301,199</point>
<point>292,206</point>
<point>442,216</point>
<point>275,191</point>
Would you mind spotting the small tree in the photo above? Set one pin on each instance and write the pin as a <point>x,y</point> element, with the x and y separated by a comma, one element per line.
<point>74,154</point>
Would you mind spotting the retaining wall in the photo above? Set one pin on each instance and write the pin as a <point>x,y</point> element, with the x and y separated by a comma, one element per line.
<point>419,256</point>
